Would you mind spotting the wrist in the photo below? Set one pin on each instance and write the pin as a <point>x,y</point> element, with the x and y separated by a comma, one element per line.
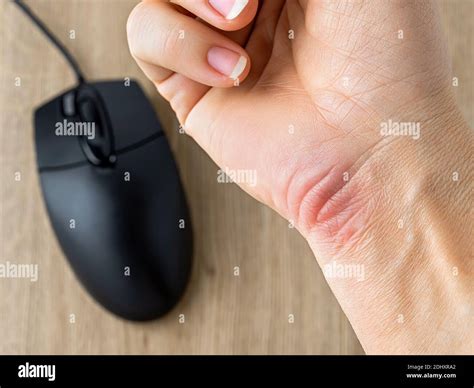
<point>409,240</point>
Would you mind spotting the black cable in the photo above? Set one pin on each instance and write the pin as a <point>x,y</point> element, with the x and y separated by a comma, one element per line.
<point>64,51</point>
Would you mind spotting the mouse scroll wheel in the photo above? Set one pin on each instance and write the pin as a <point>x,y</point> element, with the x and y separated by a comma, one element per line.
<point>88,112</point>
<point>97,148</point>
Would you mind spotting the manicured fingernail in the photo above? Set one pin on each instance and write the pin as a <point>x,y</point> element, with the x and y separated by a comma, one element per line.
<point>227,62</point>
<point>230,9</point>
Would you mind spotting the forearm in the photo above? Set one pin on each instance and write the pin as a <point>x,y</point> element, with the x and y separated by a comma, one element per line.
<point>412,241</point>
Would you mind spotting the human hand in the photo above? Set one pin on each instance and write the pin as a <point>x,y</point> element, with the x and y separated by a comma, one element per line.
<point>316,84</point>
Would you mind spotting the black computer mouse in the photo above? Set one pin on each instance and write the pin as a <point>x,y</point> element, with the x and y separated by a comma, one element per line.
<point>114,197</point>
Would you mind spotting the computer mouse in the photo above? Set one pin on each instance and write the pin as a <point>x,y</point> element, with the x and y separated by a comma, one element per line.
<point>114,197</point>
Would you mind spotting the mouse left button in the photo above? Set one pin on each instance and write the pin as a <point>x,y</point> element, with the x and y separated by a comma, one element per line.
<point>55,136</point>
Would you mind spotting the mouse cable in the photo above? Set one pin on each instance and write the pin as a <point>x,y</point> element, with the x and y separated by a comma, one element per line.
<point>64,51</point>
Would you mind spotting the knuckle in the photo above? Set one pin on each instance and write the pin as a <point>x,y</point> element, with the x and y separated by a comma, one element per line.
<point>135,27</point>
<point>151,40</point>
<point>172,41</point>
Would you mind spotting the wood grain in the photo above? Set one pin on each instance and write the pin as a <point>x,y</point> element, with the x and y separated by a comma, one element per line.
<point>224,314</point>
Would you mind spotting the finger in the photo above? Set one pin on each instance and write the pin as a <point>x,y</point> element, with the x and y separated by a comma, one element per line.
<point>262,42</point>
<point>227,15</point>
<point>161,36</point>
<point>182,93</point>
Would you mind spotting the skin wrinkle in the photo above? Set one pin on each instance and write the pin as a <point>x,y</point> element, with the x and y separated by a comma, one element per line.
<point>350,56</point>
<point>346,215</point>
<point>408,104</point>
<point>314,202</point>
<point>368,42</point>
<point>390,84</point>
<point>335,204</point>
<point>337,127</point>
<point>344,229</point>
<point>314,198</point>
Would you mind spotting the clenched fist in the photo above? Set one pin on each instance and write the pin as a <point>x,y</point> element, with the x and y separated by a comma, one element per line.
<point>344,110</point>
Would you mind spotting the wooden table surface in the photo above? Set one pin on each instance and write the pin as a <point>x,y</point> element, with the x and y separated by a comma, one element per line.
<point>224,314</point>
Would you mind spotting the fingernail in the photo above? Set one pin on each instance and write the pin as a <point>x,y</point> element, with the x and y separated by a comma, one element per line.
<point>230,9</point>
<point>227,62</point>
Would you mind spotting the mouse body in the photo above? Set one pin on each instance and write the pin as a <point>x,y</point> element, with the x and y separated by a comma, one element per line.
<point>114,197</point>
